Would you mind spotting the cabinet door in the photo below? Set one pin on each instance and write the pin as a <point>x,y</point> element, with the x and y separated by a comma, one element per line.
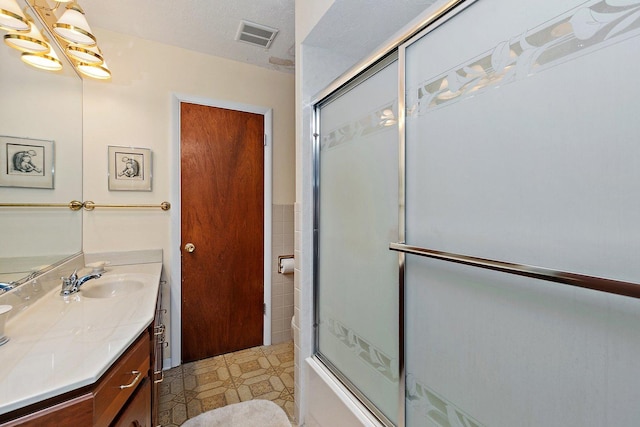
<point>118,384</point>
<point>138,412</point>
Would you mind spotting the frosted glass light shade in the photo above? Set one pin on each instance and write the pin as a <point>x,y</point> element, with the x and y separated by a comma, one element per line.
<point>27,42</point>
<point>11,16</point>
<point>73,26</point>
<point>45,61</point>
<point>87,54</point>
<point>95,71</point>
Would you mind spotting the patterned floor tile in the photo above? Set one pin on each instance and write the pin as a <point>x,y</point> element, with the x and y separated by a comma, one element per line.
<point>201,380</point>
<point>289,407</point>
<point>285,347</point>
<point>173,414</point>
<point>244,355</point>
<point>255,373</point>
<point>247,367</point>
<point>281,358</point>
<point>172,409</point>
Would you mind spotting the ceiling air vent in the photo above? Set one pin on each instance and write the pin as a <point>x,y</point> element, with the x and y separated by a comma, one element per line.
<point>256,34</point>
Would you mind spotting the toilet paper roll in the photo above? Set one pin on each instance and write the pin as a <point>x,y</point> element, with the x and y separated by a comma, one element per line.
<point>287,265</point>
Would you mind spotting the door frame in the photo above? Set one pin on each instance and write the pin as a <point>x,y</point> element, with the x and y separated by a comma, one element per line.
<point>175,296</point>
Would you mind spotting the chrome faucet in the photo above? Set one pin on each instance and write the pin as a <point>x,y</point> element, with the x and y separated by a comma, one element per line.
<point>6,287</point>
<point>71,284</point>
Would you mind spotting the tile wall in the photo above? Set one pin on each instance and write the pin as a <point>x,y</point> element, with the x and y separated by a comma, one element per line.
<point>281,284</point>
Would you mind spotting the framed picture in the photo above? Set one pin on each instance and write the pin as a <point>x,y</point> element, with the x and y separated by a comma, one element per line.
<point>129,169</point>
<point>26,162</point>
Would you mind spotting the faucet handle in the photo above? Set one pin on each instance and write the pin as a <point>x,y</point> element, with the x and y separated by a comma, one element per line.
<point>67,285</point>
<point>72,277</point>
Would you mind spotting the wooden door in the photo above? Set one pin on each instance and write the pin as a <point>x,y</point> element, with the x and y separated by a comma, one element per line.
<point>222,184</point>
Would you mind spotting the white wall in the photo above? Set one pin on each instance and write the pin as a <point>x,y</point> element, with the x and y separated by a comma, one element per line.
<point>134,109</point>
<point>32,100</point>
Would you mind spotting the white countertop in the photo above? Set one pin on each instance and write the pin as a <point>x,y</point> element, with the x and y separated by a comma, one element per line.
<point>62,343</point>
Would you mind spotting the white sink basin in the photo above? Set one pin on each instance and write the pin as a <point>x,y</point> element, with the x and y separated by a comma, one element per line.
<point>109,287</point>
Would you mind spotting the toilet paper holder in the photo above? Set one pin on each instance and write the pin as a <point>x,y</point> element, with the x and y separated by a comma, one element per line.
<point>280,261</point>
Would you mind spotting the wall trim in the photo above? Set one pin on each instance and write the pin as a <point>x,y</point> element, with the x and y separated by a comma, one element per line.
<point>174,255</point>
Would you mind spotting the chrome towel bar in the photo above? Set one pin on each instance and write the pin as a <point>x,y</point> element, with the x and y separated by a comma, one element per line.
<point>573,279</point>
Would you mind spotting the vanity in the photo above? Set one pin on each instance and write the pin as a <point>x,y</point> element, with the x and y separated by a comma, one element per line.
<point>92,358</point>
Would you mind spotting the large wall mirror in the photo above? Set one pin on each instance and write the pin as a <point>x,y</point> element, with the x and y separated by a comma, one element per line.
<point>40,148</point>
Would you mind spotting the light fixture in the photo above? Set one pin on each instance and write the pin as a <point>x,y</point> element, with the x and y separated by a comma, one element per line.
<point>85,54</point>
<point>11,16</point>
<point>73,26</point>
<point>69,29</point>
<point>45,61</point>
<point>387,118</point>
<point>32,42</point>
<point>96,71</point>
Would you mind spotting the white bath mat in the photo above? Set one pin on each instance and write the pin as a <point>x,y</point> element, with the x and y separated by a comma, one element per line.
<point>252,413</point>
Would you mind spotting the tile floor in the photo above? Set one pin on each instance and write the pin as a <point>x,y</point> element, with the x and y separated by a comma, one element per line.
<point>257,373</point>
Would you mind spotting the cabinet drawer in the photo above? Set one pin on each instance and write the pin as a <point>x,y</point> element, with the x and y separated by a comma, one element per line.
<point>74,412</point>
<point>138,411</point>
<point>119,383</point>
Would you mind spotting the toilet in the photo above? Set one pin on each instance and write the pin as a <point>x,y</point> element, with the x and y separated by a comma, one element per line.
<point>293,322</point>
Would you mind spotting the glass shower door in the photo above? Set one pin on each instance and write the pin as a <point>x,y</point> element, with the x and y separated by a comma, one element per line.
<point>520,148</point>
<point>357,216</point>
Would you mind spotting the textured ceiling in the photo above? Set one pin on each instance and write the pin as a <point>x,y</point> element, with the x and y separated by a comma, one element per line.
<point>356,27</point>
<point>350,27</point>
<point>206,26</point>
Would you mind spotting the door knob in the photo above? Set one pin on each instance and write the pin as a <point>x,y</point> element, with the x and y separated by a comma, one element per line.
<point>189,247</point>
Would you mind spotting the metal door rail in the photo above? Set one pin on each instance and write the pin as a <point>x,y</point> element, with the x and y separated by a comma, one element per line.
<point>76,205</point>
<point>573,279</point>
<point>89,206</point>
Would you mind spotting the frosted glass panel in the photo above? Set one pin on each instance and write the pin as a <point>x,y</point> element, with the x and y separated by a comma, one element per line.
<point>520,139</point>
<point>496,350</point>
<point>522,146</point>
<point>357,274</point>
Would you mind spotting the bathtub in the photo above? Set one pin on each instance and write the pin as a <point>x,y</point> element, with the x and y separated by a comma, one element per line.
<point>329,403</point>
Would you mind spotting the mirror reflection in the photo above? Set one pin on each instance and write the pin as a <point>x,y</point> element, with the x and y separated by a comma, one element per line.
<point>40,163</point>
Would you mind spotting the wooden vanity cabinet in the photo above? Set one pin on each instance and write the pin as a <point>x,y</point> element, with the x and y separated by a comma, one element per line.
<point>138,410</point>
<point>73,412</point>
<point>125,396</point>
<point>119,383</point>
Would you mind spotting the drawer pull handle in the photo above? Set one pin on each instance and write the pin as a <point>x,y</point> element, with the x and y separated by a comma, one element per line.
<point>159,380</point>
<point>138,374</point>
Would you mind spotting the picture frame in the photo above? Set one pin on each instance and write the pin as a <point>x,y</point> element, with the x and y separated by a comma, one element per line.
<point>129,168</point>
<point>26,162</point>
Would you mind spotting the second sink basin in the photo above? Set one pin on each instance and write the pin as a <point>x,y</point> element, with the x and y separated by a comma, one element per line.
<point>108,287</point>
